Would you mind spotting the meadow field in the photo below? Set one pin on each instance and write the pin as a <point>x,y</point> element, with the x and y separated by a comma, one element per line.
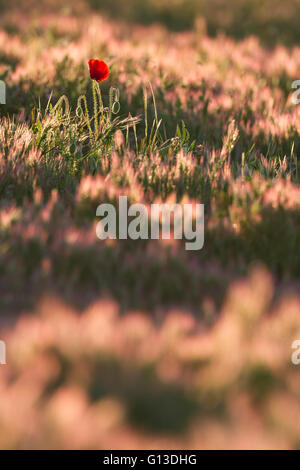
<point>141,344</point>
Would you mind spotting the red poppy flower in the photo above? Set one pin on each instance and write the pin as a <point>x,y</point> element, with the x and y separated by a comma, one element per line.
<point>98,70</point>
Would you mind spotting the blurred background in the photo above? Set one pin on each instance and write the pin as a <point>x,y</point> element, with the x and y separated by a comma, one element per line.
<point>273,21</point>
